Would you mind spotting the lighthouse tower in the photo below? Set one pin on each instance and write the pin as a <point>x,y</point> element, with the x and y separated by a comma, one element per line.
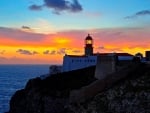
<point>88,50</point>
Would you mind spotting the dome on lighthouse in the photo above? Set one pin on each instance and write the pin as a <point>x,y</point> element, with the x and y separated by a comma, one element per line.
<point>88,37</point>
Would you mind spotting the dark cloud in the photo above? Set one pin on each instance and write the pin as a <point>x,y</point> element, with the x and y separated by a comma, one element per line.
<point>2,52</point>
<point>55,52</point>
<point>138,14</point>
<point>46,52</point>
<point>20,35</point>
<point>75,6</point>
<point>35,7</point>
<point>61,51</point>
<point>144,12</point>
<point>26,52</point>
<point>35,52</point>
<point>59,6</point>
<point>26,27</point>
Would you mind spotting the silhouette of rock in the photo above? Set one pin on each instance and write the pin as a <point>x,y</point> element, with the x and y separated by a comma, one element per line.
<point>51,95</point>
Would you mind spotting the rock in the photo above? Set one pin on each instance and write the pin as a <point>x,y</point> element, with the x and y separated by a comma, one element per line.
<point>51,95</point>
<point>131,95</point>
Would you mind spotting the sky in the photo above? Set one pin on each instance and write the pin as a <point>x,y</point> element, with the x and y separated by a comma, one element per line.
<point>43,31</point>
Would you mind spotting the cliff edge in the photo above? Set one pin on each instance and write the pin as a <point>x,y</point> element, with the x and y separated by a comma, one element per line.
<point>51,95</point>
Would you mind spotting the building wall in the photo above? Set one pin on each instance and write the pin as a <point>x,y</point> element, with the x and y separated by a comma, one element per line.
<point>105,62</point>
<point>147,55</point>
<point>125,58</point>
<point>74,63</point>
<point>105,65</point>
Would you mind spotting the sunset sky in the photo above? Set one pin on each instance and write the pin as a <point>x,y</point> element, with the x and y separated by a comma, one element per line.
<point>43,31</point>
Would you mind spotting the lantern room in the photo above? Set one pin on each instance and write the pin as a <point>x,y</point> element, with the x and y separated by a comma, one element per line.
<point>88,40</point>
<point>88,45</point>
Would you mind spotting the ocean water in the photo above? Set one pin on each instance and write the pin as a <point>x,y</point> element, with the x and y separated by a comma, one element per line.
<point>15,77</point>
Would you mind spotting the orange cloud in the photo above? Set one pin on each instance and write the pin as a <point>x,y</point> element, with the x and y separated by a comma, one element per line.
<point>130,40</point>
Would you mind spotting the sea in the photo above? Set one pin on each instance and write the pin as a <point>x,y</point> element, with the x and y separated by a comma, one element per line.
<point>15,77</point>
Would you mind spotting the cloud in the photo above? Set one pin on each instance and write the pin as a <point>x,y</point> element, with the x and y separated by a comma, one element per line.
<point>53,52</point>
<point>61,51</point>
<point>130,40</point>
<point>17,34</point>
<point>26,52</point>
<point>35,7</point>
<point>47,52</point>
<point>59,6</point>
<point>26,27</point>
<point>144,12</point>
<point>138,14</point>
<point>2,52</point>
<point>109,39</point>
<point>35,52</point>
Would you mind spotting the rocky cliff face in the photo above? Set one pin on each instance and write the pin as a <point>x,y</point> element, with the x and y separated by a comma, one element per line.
<point>131,95</point>
<point>51,95</point>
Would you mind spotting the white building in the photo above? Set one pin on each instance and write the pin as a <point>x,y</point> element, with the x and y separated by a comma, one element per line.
<point>74,62</point>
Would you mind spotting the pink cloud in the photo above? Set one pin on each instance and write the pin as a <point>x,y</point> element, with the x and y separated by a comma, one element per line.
<point>113,37</point>
<point>17,34</point>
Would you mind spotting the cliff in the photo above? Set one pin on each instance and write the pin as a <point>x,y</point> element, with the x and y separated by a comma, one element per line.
<point>129,95</point>
<point>51,95</point>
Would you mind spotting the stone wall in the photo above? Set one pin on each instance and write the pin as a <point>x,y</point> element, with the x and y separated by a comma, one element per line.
<point>105,65</point>
<point>130,95</point>
<point>100,85</point>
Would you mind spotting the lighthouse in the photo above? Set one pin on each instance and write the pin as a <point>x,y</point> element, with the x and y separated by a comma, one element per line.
<point>88,50</point>
<point>74,62</point>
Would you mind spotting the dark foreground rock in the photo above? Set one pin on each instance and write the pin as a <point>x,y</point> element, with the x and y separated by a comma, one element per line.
<point>51,95</point>
<point>130,95</point>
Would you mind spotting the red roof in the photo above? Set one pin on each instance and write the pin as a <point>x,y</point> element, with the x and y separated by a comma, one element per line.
<point>123,54</point>
<point>76,55</point>
<point>102,54</point>
<point>118,54</point>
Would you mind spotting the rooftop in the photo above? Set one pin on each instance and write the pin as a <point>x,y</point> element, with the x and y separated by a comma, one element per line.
<point>102,54</point>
